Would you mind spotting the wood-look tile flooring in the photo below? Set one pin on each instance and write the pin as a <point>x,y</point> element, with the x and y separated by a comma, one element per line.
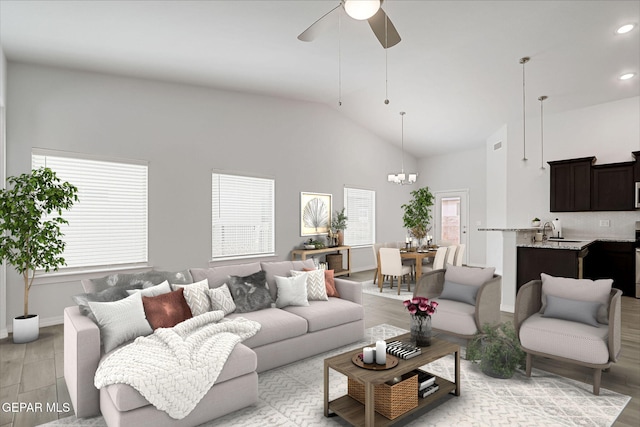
<point>33,372</point>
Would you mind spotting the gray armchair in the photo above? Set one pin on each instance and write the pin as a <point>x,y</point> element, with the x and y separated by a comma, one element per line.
<point>457,318</point>
<point>592,346</point>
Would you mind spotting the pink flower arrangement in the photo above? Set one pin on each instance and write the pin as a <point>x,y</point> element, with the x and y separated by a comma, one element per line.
<point>421,306</point>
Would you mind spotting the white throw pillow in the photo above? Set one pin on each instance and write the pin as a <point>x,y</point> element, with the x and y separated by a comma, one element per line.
<point>197,296</point>
<point>316,289</point>
<point>120,321</point>
<point>291,291</point>
<point>579,290</point>
<point>152,291</point>
<point>221,299</point>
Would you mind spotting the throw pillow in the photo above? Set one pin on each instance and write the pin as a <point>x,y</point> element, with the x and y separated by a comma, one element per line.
<point>140,280</point>
<point>329,282</point>
<point>574,310</point>
<point>458,292</point>
<point>292,291</point>
<point>468,275</point>
<point>120,321</point>
<point>166,310</point>
<point>221,299</point>
<point>316,289</point>
<point>197,296</point>
<point>579,289</point>
<point>250,293</point>
<point>107,295</point>
<point>153,291</point>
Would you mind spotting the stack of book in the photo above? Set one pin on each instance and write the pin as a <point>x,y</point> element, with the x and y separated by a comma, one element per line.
<point>426,383</point>
<point>403,350</point>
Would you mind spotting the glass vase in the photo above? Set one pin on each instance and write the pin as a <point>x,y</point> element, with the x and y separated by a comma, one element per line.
<point>421,330</point>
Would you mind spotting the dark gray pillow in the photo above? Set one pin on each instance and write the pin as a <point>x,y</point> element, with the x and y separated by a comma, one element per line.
<point>457,292</point>
<point>112,294</point>
<point>145,280</point>
<point>569,309</point>
<point>250,293</point>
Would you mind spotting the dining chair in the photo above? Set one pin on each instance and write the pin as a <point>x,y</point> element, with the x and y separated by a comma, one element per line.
<point>376,248</point>
<point>459,255</point>
<point>391,265</point>
<point>451,254</point>
<point>438,260</point>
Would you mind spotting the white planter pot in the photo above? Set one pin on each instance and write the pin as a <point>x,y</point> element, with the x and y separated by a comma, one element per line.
<point>26,330</point>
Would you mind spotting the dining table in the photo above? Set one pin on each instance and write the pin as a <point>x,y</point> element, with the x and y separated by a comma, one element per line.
<point>417,255</point>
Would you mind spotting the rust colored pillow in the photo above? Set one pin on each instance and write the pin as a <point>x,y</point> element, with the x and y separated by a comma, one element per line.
<point>329,283</point>
<point>166,310</point>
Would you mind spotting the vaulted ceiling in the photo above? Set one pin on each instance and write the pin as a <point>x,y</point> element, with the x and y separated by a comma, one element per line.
<point>456,71</point>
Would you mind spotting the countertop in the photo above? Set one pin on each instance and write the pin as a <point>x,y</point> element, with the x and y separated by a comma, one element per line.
<point>570,243</point>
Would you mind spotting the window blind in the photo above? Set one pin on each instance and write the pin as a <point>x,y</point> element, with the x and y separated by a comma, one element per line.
<point>108,224</point>
<point>243,216</point>
<point>360,208</point>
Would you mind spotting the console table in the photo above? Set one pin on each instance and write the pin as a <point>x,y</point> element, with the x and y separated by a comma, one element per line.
<point>304,253</point>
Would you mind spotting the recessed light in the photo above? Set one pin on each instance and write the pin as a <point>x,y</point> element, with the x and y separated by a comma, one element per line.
<point>625,28</point>
<point>627,76</point>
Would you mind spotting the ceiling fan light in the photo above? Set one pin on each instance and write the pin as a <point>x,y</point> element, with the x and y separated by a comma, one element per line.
<point>361,9</point>
<point>627,76</point>
<point>625,29</point>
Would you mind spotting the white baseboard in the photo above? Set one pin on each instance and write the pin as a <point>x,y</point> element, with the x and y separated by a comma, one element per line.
<point>3,333</point>
<point>49,321</point>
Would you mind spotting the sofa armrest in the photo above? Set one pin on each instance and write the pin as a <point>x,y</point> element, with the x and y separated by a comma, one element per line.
<point>615,325</point>
<point>528,302</point>
<point>81,359</point>
<point>430,284</point>
<point>349,290</point>
<point>488,302</point>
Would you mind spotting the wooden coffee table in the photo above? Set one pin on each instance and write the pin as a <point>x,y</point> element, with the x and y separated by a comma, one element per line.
<point>358,414</point>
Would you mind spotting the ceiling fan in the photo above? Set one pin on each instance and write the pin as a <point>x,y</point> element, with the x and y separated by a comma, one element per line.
<point>371,10</point>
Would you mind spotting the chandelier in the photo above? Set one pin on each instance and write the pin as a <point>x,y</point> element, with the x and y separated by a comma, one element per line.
<point>402,178</point>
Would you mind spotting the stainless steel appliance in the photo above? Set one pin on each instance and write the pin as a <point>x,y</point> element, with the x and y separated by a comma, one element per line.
<point>637,259</point>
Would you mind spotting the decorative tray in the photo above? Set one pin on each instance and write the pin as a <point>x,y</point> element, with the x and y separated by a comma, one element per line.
<point>392,361</point>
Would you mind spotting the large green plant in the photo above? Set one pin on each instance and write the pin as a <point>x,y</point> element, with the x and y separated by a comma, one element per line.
<point>498,349</point>
<point>30,236</point>
<point>417,213</point>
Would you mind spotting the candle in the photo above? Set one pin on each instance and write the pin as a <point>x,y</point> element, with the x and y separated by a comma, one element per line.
<point>367,355</point>
<point>381,352</point>
<point>406,240</point>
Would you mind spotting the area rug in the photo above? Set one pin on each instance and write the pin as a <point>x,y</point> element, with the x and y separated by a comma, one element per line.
<point>292,396</point>
<point>369,288</point>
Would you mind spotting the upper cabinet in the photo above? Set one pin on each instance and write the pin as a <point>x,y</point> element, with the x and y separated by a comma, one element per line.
<point>571,185</point>
<point>580,185</point>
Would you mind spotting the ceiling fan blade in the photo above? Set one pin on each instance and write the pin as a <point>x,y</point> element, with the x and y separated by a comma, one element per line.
<point>317,27</point>
<point>388,36</point>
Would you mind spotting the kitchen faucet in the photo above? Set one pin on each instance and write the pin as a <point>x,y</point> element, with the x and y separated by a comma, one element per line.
<point>544,230</point>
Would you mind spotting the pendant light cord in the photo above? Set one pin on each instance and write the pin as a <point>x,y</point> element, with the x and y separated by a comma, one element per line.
<point>541,99</point>
<point>386,62</point>
<point>339,59</point>
<point>524,119</point>
<point>402,113</point>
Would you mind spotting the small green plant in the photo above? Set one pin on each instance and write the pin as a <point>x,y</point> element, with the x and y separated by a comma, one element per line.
<point>339,221</point>
<point>536,219</point>
<point>417,213</point>
<point>498,349</point>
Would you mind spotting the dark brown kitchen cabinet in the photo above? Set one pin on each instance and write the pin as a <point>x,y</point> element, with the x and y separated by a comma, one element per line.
<point>612,260</point>
<point>554,262</point>
<point>612,187</point>
<point>571,185</point>
<point>636,168</point>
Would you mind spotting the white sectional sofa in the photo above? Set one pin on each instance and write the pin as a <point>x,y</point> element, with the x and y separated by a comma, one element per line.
<point>287,334</point>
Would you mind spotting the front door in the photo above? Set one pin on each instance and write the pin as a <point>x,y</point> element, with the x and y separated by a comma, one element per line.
<point>451,218</point>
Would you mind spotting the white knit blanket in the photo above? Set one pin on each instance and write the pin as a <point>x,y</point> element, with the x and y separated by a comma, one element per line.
<point>175,367</point>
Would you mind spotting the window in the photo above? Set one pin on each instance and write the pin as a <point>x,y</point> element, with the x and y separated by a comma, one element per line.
<point>243,216</point>
<point>108,224</point>
<point>360,208</point>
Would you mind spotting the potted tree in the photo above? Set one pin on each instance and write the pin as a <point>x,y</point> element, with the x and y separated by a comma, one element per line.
<point>498,349</point>
<point>30,235</point>
<point>339,224</point>
<point>417,213</point>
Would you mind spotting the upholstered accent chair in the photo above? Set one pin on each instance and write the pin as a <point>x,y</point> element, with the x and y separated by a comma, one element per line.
<point>468,297</point>
<point>565,320</point>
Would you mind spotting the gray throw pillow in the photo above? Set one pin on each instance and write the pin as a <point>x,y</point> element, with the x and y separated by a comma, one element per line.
<point>143,280</point>
<point>458,292</point>
<point>153,291</point>
<point>468,275</point>
<point>569,309</point>
<point>250,293</point>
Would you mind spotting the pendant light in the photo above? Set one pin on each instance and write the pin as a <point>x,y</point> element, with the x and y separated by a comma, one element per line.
<point>402,178</point>
<point>361,9</point>
<point>541,99</point>
<point>523,61</point>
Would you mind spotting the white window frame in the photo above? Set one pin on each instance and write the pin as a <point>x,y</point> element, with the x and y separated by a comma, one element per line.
<point>121,240</point>
<point>359,233</point>
<point>234,204</point>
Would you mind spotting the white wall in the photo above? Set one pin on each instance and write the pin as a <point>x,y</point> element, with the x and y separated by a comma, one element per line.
<point>461,171</point>
<point>185,132</point>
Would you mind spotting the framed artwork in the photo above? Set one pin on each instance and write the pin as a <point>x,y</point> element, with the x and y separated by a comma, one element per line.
<point>315,213</point>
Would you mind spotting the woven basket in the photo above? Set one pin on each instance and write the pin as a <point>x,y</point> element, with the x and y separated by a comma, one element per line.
<point>334,261</point>
<point>391,401</point>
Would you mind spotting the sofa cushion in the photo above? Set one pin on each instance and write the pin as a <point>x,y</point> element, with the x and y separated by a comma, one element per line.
<point>108,295</point>
<point>242,361</point>
<point>153,291</point>
<point>197,296</point>
<point>454,316</point>
<point>327,314</point>
<point>249,293</point>
<point>216,276</point>
<point>578,289</point>
<point>166,310</point>
<point>458,292</point>
<point>276,325</point>
<point>569,309</point>
<point>468,275</point>
<point>329,282</point>
<point>221,299</point>
<point>292,291</point>
<point>572,340</point>
<point>316,288</point>
<point>142,280</point>
<point>282,268</point>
